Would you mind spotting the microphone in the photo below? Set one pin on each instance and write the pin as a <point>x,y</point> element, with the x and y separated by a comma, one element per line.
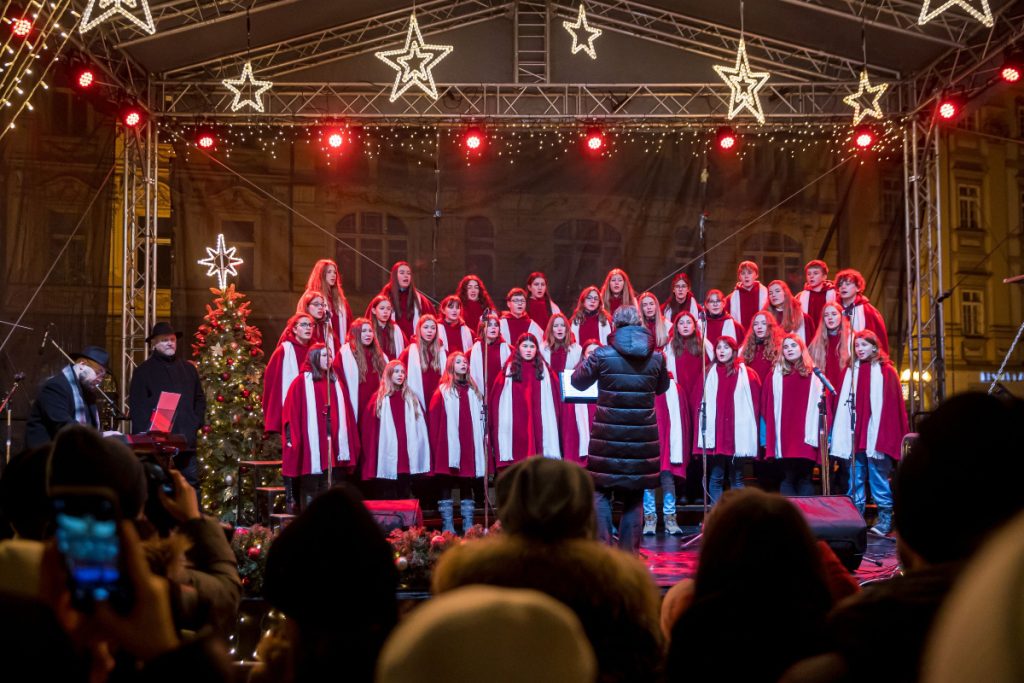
<point>46,338</point>
<point>824,380</point>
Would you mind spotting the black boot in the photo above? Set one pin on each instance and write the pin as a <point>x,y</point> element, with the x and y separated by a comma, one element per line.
<point>291,494</point>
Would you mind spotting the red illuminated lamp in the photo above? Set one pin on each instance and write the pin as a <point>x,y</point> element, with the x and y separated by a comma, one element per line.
<point>948,108</point>
<point>21,27</point>
<point>1010,73</point>
<point>206,140</point>
<point>473,140</point>
<point>726,138</point>
<point>864,137</point>
<point>335,140</point>
<point>132,118</point>
<point>85,78</point>
<point>1013,66</point>
<point>595,140</point>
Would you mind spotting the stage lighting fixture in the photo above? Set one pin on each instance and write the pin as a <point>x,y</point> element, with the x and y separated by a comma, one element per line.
<point>335,139</point>
<point>726,138</point>
<point>473,140</point>
<point>1013,66</point>
<point>864,137</point>
<point>84,78</point>
<point>21,27</point>
<point>594,140</point>
<point>949,108</point>
<point>206,140</point>
<point>132,117</point>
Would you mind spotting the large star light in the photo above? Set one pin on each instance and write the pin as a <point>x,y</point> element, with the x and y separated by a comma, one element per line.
<point>581,25</point>
<point>414,62</point>
<point>111,8</point>
<point>744,85</point>
<point>982,12</point>
<point>244,82</point>
<point>221,261</point>
<point>866,93</point>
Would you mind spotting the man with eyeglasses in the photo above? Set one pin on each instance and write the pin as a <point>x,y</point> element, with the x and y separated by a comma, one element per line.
<point>69,397</point>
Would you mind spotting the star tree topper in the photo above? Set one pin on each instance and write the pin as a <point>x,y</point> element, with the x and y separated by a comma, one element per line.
<point>247,80</point>
<point>415,51</point>
<point>866,93</point>
<point>582,25</point>
<point>221,261</point>
<point>111,8</point>
<point>745,85</point>
<point>982,12</point>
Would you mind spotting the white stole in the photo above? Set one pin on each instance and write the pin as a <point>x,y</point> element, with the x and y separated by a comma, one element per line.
<point>603,330</point>
<point>344,452</point>
<point>549,420</point>
<point>415,373</point>
<point>804,297</point>
<point>416,440</point>
<point>351,372</point>
<point>452,411</point>
<point>734,301</point>
<point>467,337</point>
<point>399,339</point>
<point>580,413</point>
<point>842,436</point>
<point>289,368</point>
<point>810,412</point>
<point>744,424</point>
<point>476,364</point>
<point>857,320</point>
<point>534,329</point>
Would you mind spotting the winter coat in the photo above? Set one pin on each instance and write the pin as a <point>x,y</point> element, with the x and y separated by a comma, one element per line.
<point>624,450</point>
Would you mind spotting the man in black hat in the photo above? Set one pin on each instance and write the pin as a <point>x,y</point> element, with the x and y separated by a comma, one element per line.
<point>163,371</point>
<point>68,397</point>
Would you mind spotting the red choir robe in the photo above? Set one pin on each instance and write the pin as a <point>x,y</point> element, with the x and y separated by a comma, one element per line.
<point>391,337</point>
<point>422,381</point>
<point>523,416</point>
<point>456,428</point>
<point>732,420</point>
<point>792,419</point>
<point>318,335</point>
<point>282,369</point>
<point>497,354</point>
<point>472,311</point>
<point>864,316</point>
<point>722,326</point>
<point>512,327</point>
<point>592,327</point>
<point>672,410</point>
<point>304,448</point>
<point>805,330</point>
<point>833,370</point>
<point>813,301</point>
<point>881,420</point>
<point>457,337</point>
<point>671,308</point>
<point>614,301</point>
<point>395,442</point>
<point>761,365</point>
<point>358,392</point>
<point>573,418</point>
<point>540,311</point>
<point>743,304</point>
<point>405,315</point>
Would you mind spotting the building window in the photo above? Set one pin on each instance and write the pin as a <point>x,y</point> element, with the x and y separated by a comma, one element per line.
<point>778,256</point>
<point>381,239</point>
<point>69,114</point>
<point>969,203</point>
<point>892,199</point>
<point>585,250</point>
<point>241,235</point>
<point>972,312</point>
<point>480,248</point>
<point>71,268</point>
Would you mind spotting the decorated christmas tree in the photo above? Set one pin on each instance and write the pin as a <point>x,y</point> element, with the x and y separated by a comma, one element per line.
<point>228,354</point>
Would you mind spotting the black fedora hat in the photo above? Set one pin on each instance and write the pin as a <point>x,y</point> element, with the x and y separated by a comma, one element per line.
<point>161,329</point>
<point>96,354</point>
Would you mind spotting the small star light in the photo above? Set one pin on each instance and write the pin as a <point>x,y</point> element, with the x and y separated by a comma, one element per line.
<point>874,95</point>
<point>582,25</point>
<point>744,84</point>
<point>982,13</point>
<point>415,50</point>
<point>217,350</point>
<point>236,85</point>
<point>111,8</point>
<point>221,261</point>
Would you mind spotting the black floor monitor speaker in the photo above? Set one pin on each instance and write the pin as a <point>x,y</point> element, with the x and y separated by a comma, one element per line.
<point>835,520</point>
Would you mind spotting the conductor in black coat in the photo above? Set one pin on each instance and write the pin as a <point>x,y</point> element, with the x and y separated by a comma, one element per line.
<point>69,397</point>
<point>624,453</point>
<point>164,371</point>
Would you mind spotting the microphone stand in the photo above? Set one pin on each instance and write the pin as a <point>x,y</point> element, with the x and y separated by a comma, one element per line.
<point>826,462</point>
<point>484,392</point>
<point>118,415</point>
<point>6,405</point>
<point>328,346</point>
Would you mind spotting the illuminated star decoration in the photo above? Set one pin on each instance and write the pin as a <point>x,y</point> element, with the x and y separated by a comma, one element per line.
<point>221,261</point>
<point>873,95</point>
<point>744,84</point>
<point>415,50</point>
<point>111,8</point>
<point>582,25</point>
<point>237,85</point>
<point>982,14</point>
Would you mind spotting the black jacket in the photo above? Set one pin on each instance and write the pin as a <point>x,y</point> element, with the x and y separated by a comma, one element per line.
<point>53,408</point>
<point>160,373</point>
<point>624,450</point>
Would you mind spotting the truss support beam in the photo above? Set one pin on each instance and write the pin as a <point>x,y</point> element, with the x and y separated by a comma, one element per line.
<point>886,15</point>
<point>532,28</point>
<point>179,16</point>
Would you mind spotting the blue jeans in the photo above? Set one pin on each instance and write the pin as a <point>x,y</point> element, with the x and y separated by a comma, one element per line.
<point>631,525</point>
<point>668,496</point>
<point>876,471</point>
<point>717,466</point>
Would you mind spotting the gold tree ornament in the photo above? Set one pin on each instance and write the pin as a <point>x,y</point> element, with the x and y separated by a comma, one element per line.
<point>414,62</point>
<point>581,26</point>
<point>247,81</point>
<point>744,85</point>
<point>135,11</point>
<point>866,93</point>
<point>979,9</point>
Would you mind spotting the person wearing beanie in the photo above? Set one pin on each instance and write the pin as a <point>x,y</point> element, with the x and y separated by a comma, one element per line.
<point>500,635</point>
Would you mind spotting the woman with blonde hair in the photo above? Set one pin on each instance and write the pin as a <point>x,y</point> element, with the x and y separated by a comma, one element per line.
<point>833,342</point>
<point>561,352</point>
<point>361,363</point>
<point>650,314</point>
<point>326,279</point>
<point>591,320</point>
<point>617,291</point>
<point>786,309</point>
<point>762,344</point>
<point>424,360</point>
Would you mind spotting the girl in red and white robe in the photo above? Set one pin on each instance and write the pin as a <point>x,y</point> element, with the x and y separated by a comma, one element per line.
<point>654,321</point>
<point>875,441</point>
<point>516,321</point>
<point>389,335</point>
<point>749,296</point>
<point>283,367</point>
<point>539,305</point>
<point>590,320</point>
<point>314,304</point>
<point>763,344</point>
<point>728,430</point>
<point>524,416</point>
<point>360,363</point>
<point>680,299</point>
<point>407,302</point>
<point>307,452</point>
<point>424,360</point>
<point>454,333</point>
<point>326,279</point>
<point>485,368</point>
<point>786,309</point>
<point>561,352</point>
<point>456,426</point>
<point>717,322</point>
<point>396,445</point>
<point>475,300</point>
<point>617,291</point>
<point>832,345</point>
<point>790,407</point>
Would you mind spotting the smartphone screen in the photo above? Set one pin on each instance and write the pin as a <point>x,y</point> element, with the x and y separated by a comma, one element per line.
<point>88,540</point>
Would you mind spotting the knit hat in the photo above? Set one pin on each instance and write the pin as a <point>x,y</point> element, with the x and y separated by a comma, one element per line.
<point>546,499</point>
<point>501,635</point>
<point>81,457</point>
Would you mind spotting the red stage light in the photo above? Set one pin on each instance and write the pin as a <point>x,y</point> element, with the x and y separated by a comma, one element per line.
<point>1010,73</point>
<point>595,140</point>
<point>206,140</point>
<point>948,109</point>
<point>726,139</point>
<point>335,140</point>
<point>132,118</point>
<point>474,140</point>
<point>85,78</point>
<point>864,137</point>
<point>1013,65</point>
<point>21,27</point>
